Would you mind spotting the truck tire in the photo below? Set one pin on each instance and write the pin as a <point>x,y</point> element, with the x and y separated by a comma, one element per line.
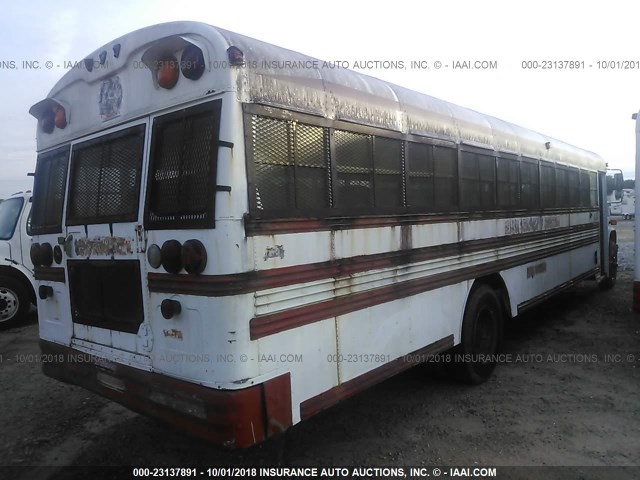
<point>14,301</point>
<point>610,281</point>
<point>474,359</point>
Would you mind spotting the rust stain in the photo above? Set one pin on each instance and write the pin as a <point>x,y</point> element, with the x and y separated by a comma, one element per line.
<point>406,240</point>
<point>85,247</point>
<point>173,333</point>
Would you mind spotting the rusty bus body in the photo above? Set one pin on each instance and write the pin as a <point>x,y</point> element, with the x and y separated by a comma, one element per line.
<point>241,246</point>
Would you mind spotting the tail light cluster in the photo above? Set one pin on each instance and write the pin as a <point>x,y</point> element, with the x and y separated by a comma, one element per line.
<point>174,256</point>
<point>41,254</point>
<point>191,65</point>
<point>51,114</point>
<point>56,117</point>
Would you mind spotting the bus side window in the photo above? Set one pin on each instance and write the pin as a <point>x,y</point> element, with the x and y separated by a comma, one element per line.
<point>585,192</point>
<point>290,164</point>
<point>593,189</point>
<point>313,187</point>
<point>562,187</point>
<point>574,187</point>
<point>388,172</point>
<point>529,184</point>
<point>420,178</point>
<point>477,181</point>
<point>445,172</point>
<point>354,165</point>
<point>508,183</point>
<point>547,185</point>
<point>48,191</point>
<point>273,164</point>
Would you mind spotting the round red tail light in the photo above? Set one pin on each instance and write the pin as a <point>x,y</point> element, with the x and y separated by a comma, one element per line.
<point>34,254</point>
<point>41,254</point>
<point>46,255</point>
<point>168,72</point>
<point>194,256</point>
<point>171,256</point>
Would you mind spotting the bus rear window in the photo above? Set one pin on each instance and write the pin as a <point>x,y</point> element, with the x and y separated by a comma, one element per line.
<point>105,178</point>
<point>48,191</point>
<point>184,153</point>
<point>9,213</point>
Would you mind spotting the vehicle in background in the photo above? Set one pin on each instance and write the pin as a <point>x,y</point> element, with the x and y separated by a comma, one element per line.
<point>17,285</point>
<point>626,206</point>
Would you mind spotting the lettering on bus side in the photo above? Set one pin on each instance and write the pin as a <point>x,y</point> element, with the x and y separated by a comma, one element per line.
<point>274,252</point>
<point>536,269</point>
<point>522,225</point>
<point>172,333</point>
<point>551,222</point>
<point>530,224</point>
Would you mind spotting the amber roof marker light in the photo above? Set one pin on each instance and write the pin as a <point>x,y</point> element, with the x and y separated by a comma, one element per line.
<point>169,56</point>
<point>168,72</point>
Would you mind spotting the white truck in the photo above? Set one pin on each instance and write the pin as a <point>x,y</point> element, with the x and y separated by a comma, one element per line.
<point>17,285</point>
<point>626,206</point>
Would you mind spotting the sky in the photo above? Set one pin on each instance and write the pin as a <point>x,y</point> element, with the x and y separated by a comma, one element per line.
<point>589,107</point>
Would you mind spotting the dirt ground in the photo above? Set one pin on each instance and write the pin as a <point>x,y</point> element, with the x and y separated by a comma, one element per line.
<point>567,394</point>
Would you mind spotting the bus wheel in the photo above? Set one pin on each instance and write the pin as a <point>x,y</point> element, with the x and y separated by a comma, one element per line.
<point>474,359</point>
<point>14,301</point>
<point>610,280</point>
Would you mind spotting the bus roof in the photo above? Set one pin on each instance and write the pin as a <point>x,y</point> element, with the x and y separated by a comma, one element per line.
<point>310,86</point>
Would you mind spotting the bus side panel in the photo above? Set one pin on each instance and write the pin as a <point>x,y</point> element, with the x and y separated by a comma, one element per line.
<point>208,342</point>
<point>534,279</point>
<point>308,353</point>
<point>394,329</point>
<point>54,315</point>
<point>275,251</point>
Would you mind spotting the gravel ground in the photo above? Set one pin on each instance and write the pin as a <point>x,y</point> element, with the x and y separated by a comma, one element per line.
<point>568,396</point>
<point>625,229</point>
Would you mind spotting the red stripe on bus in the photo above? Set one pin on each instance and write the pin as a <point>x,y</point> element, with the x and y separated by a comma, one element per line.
<point>273,226</point>
<point>248,282</point>
<point>273,323</point>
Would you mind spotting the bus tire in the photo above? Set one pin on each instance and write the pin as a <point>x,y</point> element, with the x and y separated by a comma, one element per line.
<point>14,301</point>
<point>610,280</point>
<point>474,359</point>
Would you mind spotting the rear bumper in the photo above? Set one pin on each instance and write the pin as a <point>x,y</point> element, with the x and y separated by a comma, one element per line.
<point>230,418</point>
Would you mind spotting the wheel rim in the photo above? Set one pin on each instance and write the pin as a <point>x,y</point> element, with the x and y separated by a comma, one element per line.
<point>9,304</point>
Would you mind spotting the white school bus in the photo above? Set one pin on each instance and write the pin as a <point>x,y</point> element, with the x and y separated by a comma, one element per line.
<point>233,236</point>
